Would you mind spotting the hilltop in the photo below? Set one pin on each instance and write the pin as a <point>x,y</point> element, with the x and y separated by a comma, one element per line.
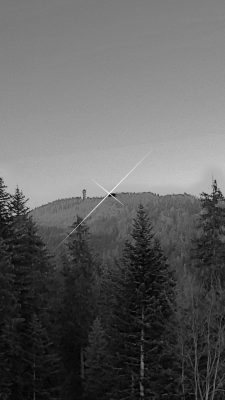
<point>173,218</point>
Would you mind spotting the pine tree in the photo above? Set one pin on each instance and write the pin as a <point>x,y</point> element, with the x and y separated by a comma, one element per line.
<point>209,249</point>
<point>77,310</point>
<point>144,305</point>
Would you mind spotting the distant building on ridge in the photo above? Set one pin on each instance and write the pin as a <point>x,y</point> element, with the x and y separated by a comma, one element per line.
<point>84,192</point>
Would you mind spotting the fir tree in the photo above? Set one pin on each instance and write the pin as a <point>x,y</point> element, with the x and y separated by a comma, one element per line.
<point>144,302</point>
<point>209,249</point>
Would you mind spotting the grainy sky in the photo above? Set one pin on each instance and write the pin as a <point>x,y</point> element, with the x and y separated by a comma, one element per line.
<point>88,87</point>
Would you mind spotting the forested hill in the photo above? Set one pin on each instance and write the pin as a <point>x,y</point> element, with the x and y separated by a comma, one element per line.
<point>173,218</point>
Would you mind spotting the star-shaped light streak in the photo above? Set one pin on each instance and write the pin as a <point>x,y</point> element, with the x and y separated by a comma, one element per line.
<point>108,193</point>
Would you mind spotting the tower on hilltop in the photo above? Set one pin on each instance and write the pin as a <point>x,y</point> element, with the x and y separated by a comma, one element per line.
<point>84,192</point>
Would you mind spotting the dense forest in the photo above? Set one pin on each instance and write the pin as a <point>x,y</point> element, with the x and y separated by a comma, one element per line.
<point>130,306</point>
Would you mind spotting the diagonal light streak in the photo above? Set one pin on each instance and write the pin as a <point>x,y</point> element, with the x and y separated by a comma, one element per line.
<point>107,192</point>
<point>88,215</point>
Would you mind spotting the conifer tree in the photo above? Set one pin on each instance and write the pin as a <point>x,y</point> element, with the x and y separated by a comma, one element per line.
<point>209,248</point>
<point>7,298</point>
<point>4,210</point>
<point>31,271</point>
<point>18,205</point>
<point>77,311</point>
<point>142,364</point>
<point>41,375</point>
<point>97,363</point>
<point>29,257</point>
<point>7,318</point>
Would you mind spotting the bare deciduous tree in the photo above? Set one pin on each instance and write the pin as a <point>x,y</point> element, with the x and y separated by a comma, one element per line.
<point>201,341</point>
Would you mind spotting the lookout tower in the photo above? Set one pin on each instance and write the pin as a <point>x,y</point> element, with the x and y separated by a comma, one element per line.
<point>84,192</point>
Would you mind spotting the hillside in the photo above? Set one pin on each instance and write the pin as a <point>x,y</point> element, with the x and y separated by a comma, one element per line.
<point>173,218</point>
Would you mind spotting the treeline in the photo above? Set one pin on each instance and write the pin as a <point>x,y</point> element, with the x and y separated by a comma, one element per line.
<point>130,330</point>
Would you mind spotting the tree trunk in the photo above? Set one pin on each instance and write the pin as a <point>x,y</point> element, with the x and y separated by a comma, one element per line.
<point>132,386</point>
<point>82,364</point>
<point>142,360</point>
<point>34,381</point>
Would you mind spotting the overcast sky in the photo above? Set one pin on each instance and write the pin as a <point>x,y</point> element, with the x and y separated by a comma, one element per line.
<point>88,87</point>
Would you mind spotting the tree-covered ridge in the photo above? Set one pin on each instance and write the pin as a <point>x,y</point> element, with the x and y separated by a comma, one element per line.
<point>172,216</point>
<point>59,212</point>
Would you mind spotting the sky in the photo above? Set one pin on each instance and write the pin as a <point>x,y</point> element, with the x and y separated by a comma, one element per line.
<point>88,87</point>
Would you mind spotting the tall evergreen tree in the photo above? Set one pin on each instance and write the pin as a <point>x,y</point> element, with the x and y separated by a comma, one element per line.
<point>29,257</point>
<point>17,204</point>
<point>4,210</point>
<point>7,319</point>
<point>209,249</point>
<point>77,310</point>
<point>42,375</point>
<point>31,271</point>
<point>97,363</point>
<point>144,305</point>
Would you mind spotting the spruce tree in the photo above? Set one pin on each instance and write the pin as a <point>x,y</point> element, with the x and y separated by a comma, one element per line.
<point>4,211</point>
<point>77,310</point>
<point>7,296</point>
<point>7,319</point>
<point>17,204</point>
<point>29,257</point>
<point>144,305</point>
<point>42,375</point>
<point>209,250</point>
<point>31,271</point>
<point>97,363</point>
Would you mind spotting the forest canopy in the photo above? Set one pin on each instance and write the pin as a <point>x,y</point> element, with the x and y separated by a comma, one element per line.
<point>130,306</point>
